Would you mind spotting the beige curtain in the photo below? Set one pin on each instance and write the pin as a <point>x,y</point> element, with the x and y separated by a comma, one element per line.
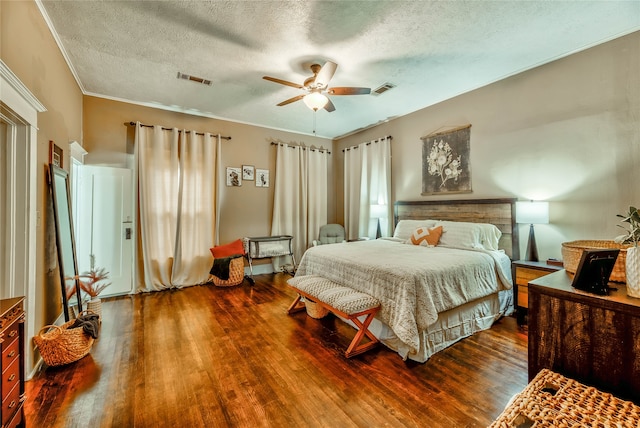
<point>367,189</point>
<point>177,181</point>
<point>352,172</point>
<point>300,195</point>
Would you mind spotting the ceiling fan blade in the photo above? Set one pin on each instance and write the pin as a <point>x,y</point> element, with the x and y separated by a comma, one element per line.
<point>282,82</point>
<point>349,91</point>
<point>291,100</point>
<point>325,74</point>
<point>329,106</point>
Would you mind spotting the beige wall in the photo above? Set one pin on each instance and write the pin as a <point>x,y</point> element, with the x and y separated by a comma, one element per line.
<point>29,50</point>
<point>567,132</point>
<point>245,210</point>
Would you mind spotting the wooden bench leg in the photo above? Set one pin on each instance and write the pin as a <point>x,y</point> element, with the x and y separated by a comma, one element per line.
<point>296,306</point>
<point>363,330</point>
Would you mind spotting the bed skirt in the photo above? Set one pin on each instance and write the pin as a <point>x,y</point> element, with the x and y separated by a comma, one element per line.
<point>450,327</point>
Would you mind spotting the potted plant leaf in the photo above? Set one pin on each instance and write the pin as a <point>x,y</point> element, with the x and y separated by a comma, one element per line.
<point>92,283</point>
<point>631,224</point>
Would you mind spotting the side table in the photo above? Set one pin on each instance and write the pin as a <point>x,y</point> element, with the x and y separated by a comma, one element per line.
<point>524,271</point>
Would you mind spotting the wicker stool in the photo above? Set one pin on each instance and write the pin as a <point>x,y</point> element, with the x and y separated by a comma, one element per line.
<point>552,400</point>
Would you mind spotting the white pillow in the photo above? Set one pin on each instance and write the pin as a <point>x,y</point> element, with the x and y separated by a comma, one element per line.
<point>471,235</point>
<point>490,236</point>
<point>405,228</point>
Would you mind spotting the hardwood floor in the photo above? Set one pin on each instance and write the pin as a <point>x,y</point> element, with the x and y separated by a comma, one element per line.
<point>214,357</point>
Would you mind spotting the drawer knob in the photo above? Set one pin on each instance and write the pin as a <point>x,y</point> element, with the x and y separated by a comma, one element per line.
<point>12,354</point>
<point>13,333</point>
<point>12,377</point>
<point>12,404</point>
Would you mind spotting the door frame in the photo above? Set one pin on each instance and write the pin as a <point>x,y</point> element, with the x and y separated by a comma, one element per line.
<point>22,214</point>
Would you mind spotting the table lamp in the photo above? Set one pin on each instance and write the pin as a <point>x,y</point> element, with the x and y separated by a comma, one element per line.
<point>533,213</point>
<point>378,211</point>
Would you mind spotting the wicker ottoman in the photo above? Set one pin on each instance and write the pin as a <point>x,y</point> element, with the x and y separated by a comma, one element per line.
<point>552,400</point>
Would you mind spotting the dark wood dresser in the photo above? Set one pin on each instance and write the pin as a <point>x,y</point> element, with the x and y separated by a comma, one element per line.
<point>590,338</point>
<point>12,346</point>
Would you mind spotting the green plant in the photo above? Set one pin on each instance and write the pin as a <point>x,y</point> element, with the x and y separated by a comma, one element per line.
<point>91,282</point>
<point>632,227</point>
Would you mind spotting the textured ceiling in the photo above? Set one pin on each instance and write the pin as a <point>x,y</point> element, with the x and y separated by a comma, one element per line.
<point>431,51</point>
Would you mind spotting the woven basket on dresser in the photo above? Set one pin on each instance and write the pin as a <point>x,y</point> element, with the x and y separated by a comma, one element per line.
<point>236,274</point>
<point>61,344</point>
<point>572,252</point>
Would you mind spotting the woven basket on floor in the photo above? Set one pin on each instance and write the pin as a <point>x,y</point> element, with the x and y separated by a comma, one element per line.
<point>236,274</point>
<point>314,310</point>
<point>572,252</point>
<point>62,345</point>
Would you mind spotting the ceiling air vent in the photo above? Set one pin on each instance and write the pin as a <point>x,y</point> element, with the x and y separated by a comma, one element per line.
<point>194,79</point>
<point>382,89</point>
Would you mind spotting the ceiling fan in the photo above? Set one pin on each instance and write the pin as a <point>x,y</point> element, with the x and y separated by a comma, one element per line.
<point>316,86</point>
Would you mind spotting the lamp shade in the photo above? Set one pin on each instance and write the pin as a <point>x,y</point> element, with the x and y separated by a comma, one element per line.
<point>532,212</point>
<point>378,211</point>
<point>315,100</point>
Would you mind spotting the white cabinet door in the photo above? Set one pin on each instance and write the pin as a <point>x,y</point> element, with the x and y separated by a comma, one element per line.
<point>103,215</point>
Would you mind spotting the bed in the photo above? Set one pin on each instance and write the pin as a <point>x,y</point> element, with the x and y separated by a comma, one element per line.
<point>431,297</point>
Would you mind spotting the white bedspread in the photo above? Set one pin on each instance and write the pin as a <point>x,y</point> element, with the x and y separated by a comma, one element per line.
<point>413,283</point>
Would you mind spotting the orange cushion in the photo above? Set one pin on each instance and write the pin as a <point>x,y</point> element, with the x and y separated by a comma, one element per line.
<point>426,237</point>
<point>227,250</point>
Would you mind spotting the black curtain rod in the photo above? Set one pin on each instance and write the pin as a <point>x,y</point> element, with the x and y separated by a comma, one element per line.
<point>374,141</point>
<point>169,129</point>
<point>303,148</point>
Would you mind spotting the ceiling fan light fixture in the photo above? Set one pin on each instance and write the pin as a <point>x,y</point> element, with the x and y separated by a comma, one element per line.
<point>315,100</point>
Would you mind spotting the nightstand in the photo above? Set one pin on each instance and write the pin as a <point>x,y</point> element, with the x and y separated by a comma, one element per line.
<point>523,272</point>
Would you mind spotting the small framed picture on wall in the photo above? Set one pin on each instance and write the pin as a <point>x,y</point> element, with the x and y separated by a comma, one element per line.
<point>55,154</point>
<point>234,177</point>
<point>262,178</point>
<point>247,172</point>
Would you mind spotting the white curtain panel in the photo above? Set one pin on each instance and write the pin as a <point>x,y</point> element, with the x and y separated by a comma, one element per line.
<point>300,196</point>
<point>367,189</point>
<point>352,175</point>
<point>196,209</point>
<point>317,187</point>
<point>177,193</point>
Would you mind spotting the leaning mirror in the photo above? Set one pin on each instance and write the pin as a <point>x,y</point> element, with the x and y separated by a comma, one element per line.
<point>67,263</point>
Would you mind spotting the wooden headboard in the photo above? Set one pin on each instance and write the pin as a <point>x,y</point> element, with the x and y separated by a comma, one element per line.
<point>500,212</point>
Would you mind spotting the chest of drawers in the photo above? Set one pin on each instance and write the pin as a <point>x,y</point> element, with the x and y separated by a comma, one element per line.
<point>590,338</point>
<point>12,347</point>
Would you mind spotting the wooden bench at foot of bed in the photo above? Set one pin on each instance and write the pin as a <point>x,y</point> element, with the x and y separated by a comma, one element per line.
<point>344,302</point>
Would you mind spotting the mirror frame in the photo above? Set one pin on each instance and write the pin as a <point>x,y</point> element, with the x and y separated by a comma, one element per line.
<point>67,263</point>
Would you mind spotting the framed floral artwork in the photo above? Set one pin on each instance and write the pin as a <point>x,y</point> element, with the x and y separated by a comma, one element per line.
<point>262,178</point>
<point>234,177</point>
<point>247,172</point>
<point>446,164</point>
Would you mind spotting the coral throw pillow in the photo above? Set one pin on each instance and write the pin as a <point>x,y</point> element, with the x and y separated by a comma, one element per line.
<point>227,250</point>
<point>426,237</point>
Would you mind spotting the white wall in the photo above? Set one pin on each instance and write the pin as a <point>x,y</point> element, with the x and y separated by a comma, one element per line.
<point>567,132</point>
